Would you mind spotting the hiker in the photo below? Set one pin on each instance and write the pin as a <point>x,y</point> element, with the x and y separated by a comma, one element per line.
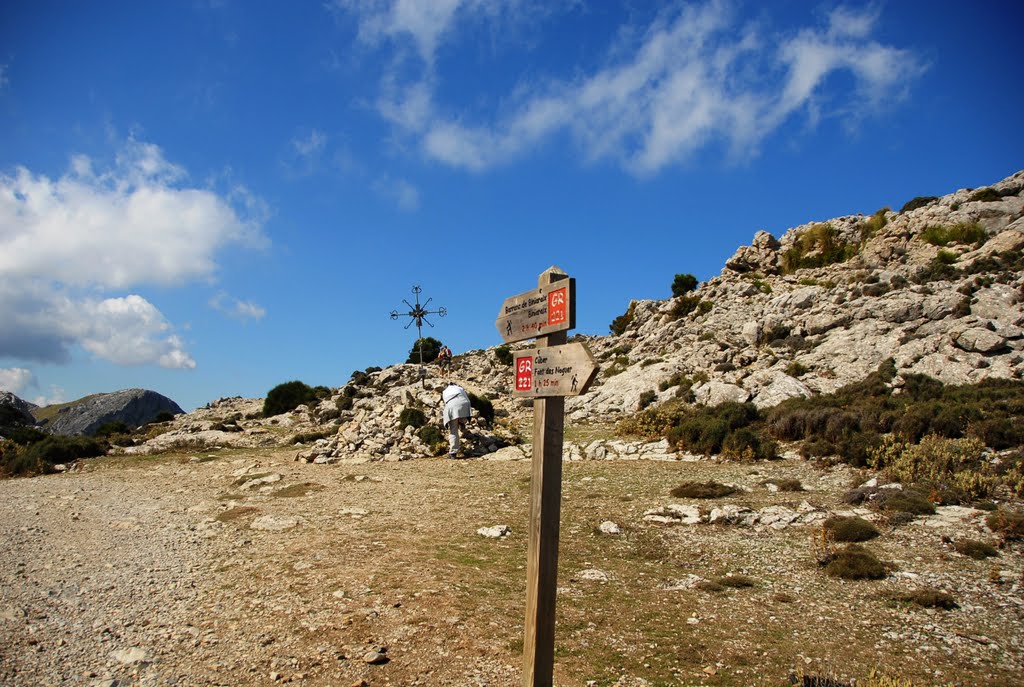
<point>456,414</point>
<point>444,358</point>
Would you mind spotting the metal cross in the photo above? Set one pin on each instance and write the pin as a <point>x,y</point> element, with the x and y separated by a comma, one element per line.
<point>418,314</point>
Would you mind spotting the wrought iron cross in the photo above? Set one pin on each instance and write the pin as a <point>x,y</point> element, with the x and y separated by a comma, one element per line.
<point>418,315</point>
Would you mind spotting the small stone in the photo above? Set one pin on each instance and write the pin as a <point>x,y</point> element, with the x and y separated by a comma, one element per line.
<point>495,532</point>
<point>376,656</point>
<point>132,656</point>
<point>609,527</point>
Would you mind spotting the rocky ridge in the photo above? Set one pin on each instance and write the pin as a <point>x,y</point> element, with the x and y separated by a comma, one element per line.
<point>20,410</point>
<point>134,407</point>
<point>763,330</point>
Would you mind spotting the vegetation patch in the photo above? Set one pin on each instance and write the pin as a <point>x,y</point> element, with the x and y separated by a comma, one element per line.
<point>927,598</point>
<point>503,354</point>
<point>286,397</point>
<point>232,514</point>
<point>972,548</point>
<point>433,438</point>
<point>965,233</point>
<point>853,563</point>
<point>849,529</point>
<point>917,202</point>
<point>310,437</point>
<point>296,490</point>
<point>412,417</point>
<point>702,490</point>
<point>907,501</point>
<point>622,322</point>
<point>39,456</point>
<point>817,246</point>
<point>984,195</point>
<point>1008,524</point>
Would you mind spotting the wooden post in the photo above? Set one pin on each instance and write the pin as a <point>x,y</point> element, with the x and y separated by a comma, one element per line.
<point>545,510</point>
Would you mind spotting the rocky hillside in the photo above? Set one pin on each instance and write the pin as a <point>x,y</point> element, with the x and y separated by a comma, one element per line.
<point>134,407</point>
<point>937,287</point>
<point>14,409</point>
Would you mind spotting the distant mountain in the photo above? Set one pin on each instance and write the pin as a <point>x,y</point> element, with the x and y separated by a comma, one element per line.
<point>134,407</point>
<point>14,409</point>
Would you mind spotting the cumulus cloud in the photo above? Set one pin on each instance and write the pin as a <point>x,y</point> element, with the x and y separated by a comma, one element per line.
<point>66,241</point>
<point>136,223</point>
<point>693,78</point>
<point>16,379</point>
<point>235,308</point>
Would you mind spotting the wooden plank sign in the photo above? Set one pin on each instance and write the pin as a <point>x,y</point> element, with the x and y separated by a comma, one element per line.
<point>542,311</point>
<point>565,370</point>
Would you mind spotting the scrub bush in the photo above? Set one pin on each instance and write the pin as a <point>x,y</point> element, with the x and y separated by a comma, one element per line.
<point>286,397</point>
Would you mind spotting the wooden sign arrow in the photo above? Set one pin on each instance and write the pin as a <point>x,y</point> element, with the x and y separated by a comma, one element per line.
<point>542,311</point>
<point>566,370</point>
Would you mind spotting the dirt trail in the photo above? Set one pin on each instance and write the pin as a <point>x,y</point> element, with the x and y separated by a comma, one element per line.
<point>150,572</point>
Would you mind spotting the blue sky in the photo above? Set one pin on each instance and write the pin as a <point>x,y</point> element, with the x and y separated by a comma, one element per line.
<point>209,198</point>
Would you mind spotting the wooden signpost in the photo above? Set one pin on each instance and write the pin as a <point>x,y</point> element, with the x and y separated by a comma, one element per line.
<point>547,373</point>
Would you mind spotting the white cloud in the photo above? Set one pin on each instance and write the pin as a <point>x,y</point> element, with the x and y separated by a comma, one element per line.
<point>238,309</point>
<point>16,379</point>
<point>56,395</point>
<point>696,77</point>
<point>65,241</point>
<point>133,224</point>
<point>310,146</point>
<point>404,194</point>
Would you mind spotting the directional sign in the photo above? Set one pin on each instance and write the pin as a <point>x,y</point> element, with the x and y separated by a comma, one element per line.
<point>565,370</point>
<point>542,311</point>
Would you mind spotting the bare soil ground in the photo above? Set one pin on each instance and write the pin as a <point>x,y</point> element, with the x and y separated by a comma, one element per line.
<point>148,571</point>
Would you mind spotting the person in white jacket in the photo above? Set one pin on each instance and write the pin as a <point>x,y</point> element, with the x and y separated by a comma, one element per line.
<point>456,414</point>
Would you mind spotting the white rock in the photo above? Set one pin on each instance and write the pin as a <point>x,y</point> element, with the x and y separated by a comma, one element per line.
<point>495,532</point>
<point>592,575</point>
<point>609,527</point>
<point>132,656</point>
<point>275,523</point>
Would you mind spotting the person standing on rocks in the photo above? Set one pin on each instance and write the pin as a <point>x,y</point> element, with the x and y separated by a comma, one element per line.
<point>456,414</point>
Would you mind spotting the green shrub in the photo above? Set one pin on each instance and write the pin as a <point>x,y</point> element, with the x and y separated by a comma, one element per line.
<point>817,246</point>
<point>646,399</point>
<point>850,529</point>
<point>966,233</point>
<point>873,224</point>
<point>40,457</point>
<point>162,416</point>
<point>975,549</point>
<point>431,347</point>
<point>411,417</point>
<point>683,284</point>
<point>984,195</point>
<point>433,438</point>
<point>927,598</point>
<point>108,429</point>
<point>796,369</point>
<point>684,306</point>
<point>503,355</point>
<point>746,444</point>
<point>344,402</point>
<point>702,490</point>
<point>958,464</point>
<point>483,407</point>
<point>622,322</point>
<point>946,257</point>
<point>903,501</point>
<point>286,397</point>
<point>678,379</point>
<point>854,563</point>
<point>918,202</point>
<point>786,484</point>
